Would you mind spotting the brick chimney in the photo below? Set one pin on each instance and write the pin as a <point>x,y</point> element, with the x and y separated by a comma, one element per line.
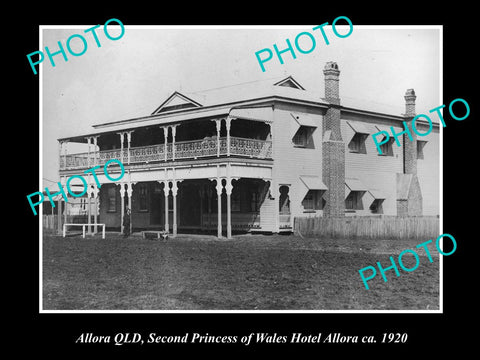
<point>409,146</point>
<point>333,148</point>
<point>332,78</point>
<point>332,95</point>
<point>409,194</point>
<point>410,103</point>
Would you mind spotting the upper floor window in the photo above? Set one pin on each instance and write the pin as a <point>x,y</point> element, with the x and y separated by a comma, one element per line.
<point>303,137</point>
<point>387,148</point>
<point>357,144</point>
<point>420,145</point>
<point>361,132</point>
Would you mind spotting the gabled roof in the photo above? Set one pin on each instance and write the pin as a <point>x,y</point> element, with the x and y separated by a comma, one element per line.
<point>176,101</point>
<point>289,82</point>
<point>234,93</point>
<point>221,100</point>
<point>286,87</point>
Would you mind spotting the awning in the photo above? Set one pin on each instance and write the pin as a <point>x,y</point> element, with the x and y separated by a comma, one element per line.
<point>313,183</point>
<point>301,120</point>
<point>377,194</point>
<point>264,114</point>
<point>305,120</point>
<point>358,127</point>
<point>383,128</point>
<point>353,184</point>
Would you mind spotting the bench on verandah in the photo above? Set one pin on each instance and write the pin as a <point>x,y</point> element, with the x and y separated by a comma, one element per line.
<point>159,233</point>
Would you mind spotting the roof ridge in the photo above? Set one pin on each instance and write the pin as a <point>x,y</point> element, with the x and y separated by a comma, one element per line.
<point>237,84</point>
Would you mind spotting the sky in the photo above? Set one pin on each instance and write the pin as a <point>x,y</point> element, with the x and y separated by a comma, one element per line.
<point>132,76</point>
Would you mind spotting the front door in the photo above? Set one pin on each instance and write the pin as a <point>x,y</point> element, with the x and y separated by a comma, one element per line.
<point>157,216</point>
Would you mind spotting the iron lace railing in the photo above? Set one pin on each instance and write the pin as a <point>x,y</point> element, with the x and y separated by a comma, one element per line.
<point>207,147</point>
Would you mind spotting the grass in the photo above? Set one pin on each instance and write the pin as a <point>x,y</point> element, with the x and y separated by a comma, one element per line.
<point>247,273</point>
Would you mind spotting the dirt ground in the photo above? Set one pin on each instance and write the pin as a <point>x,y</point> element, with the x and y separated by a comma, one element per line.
<point>260,272</point>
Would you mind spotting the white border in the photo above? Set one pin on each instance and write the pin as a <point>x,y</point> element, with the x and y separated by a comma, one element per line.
<point>42,311</point>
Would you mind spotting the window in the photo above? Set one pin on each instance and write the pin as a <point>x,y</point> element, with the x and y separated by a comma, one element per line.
<point>387,149</point>
<point>235,201</point>
<point>354,201</point>
<point>303,137</point>
<point>357,144</point>
<point>284,200</point>
<point>312,200</point>
<point>143,197</point>
<point>112,199</point>
<point>420,145</point>
<point>376,207</point>
<point>254,202</point>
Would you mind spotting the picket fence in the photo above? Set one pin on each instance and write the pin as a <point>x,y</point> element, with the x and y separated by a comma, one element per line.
<point>369,227</point>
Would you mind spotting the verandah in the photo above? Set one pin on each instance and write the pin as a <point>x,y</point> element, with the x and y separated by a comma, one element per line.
<point>191,205</point>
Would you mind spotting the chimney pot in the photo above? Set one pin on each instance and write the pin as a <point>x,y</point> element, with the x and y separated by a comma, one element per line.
<point>332,77</point>
<point>410,103</point>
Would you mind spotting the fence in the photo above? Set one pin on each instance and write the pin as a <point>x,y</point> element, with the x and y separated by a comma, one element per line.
<point>369,227</point>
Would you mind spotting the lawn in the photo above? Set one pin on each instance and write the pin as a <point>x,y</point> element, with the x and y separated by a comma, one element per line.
<point>246,273</point>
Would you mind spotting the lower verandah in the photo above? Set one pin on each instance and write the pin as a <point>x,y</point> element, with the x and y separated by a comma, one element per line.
<point>197,206</point>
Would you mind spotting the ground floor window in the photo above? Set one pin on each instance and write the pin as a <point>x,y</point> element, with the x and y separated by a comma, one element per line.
<point>112,199</point>
<point>246,197</point>
<point>376,207</point>
<point>284,200</point>
<point>313,200</point>
<point>236,201</point>
<point>354,200</point>
<point>143,197</point>
<point>254,201</point>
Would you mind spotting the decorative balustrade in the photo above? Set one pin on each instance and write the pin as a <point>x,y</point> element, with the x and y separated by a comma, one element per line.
<point>183,150</point>
<point>145,154</point>
<point>196,149</point>
<point>106,155</point>
<point>250,147</point>
<point>75,161</point>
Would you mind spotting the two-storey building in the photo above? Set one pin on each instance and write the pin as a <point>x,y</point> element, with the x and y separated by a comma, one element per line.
<point>253,156</point>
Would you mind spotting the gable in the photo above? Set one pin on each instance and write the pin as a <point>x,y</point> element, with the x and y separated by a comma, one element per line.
<point>176,101</point>
<point>289,82</point>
